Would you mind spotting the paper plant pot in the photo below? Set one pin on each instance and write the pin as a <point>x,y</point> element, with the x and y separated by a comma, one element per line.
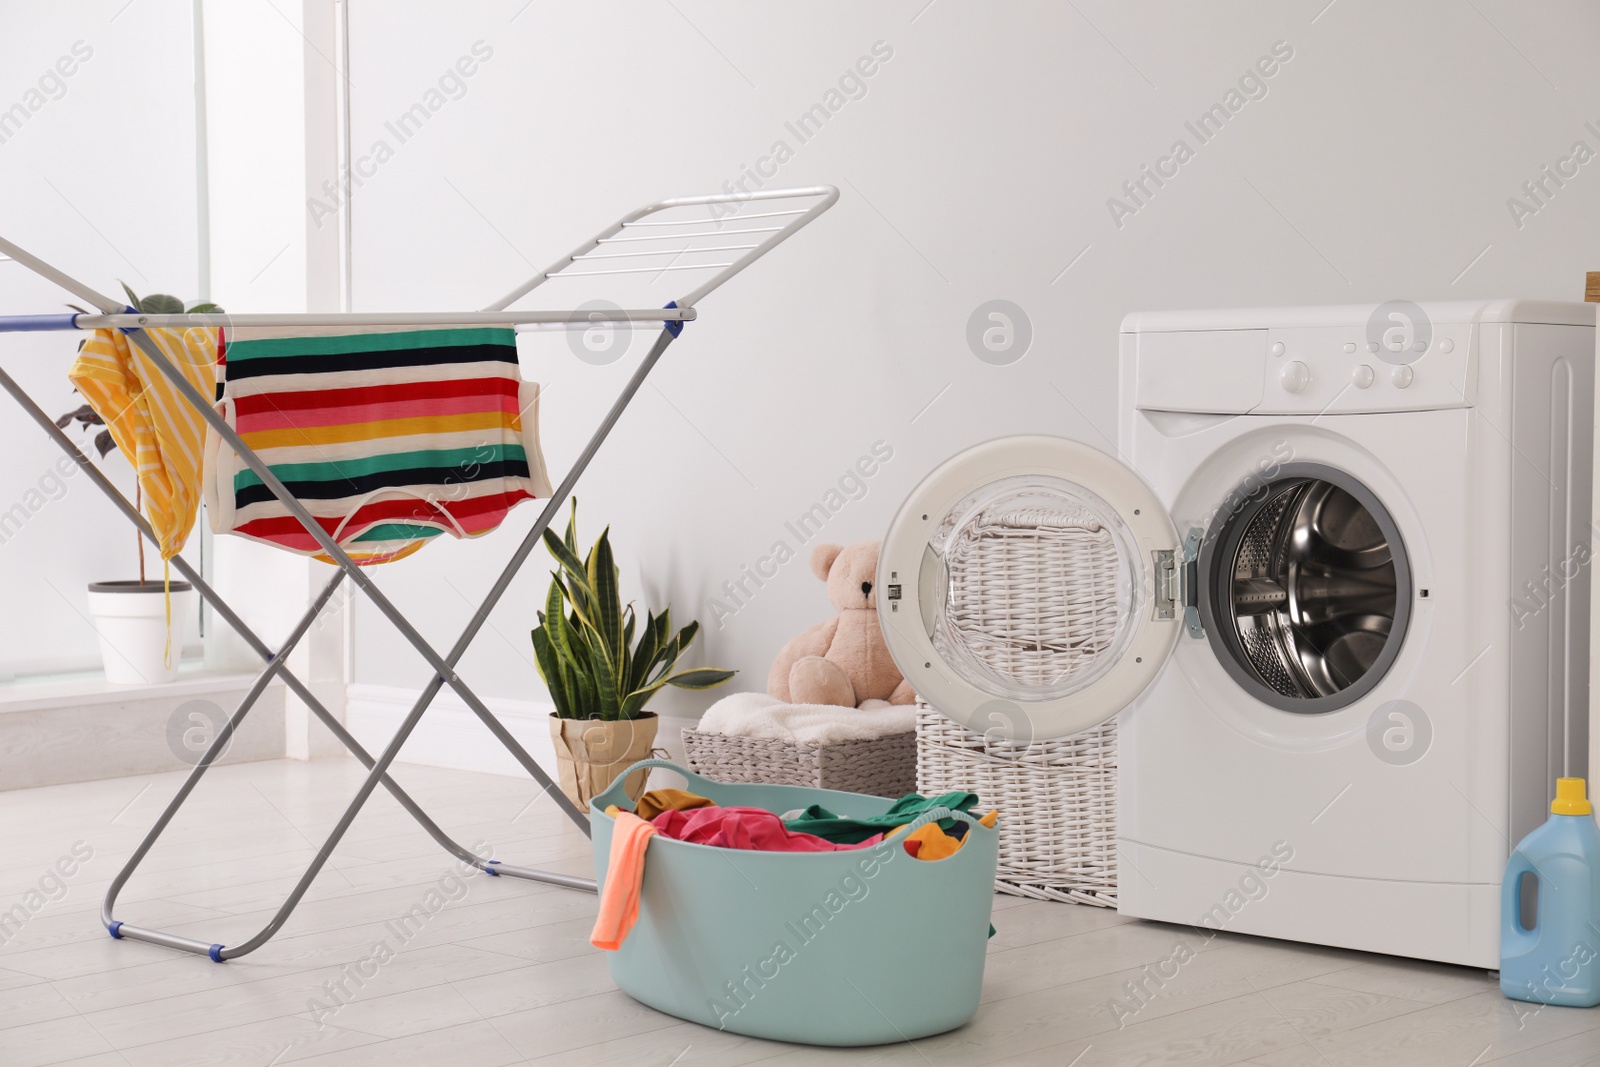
<point>591,753</point>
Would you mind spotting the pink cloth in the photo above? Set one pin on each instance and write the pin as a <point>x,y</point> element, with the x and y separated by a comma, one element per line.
<point>752,829</point>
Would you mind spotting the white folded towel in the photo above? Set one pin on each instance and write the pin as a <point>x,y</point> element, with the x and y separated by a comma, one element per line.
<point>760,715</point>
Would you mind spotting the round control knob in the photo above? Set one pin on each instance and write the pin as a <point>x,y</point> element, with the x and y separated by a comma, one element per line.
<point>1295,377</point>
<point>1277,348</point>
<point>1362,376</point>
<point>1402,376</point>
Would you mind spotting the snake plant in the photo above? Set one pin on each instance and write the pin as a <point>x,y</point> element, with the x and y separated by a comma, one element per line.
<point>167,304</point>
<point>584,643</point>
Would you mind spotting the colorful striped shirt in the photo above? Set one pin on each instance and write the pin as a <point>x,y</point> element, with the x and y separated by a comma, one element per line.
<point>389,436</point>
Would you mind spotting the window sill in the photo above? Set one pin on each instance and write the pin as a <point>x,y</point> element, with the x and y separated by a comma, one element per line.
<point>79,727</point>
<point>81,689</point>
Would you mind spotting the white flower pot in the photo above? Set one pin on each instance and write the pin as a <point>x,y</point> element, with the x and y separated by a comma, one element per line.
<point>131,619</point>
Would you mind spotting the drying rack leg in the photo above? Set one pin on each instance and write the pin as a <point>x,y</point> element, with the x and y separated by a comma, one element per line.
<point>219,744</point>
<point>377,772</point>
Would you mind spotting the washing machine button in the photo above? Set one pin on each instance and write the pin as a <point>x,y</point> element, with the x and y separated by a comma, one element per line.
<point>1402,376</point>
<point>1447,345</point>
<point>1295,377</point>
<point>1349,346</point>
<point>1362,376</point>
<point>1277,348</point>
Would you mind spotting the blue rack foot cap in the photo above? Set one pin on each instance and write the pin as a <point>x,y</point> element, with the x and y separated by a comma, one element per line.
<point>490,868</point>
<point>216,954</point>
<point>115,930</point>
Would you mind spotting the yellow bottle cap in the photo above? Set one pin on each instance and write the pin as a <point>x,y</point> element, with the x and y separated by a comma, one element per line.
<point>1570,798</point>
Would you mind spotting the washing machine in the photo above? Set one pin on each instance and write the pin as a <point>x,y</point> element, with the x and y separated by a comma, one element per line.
<point>1334,585</point>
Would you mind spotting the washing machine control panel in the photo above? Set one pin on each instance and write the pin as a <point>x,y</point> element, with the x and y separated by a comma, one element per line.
<point>1305,369</point>
<point>1343,369</point>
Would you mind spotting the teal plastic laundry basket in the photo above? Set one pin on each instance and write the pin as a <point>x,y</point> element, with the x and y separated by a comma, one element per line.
<point>859,947</point>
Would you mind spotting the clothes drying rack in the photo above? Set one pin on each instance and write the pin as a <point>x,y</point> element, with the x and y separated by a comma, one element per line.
<point>651,240</point>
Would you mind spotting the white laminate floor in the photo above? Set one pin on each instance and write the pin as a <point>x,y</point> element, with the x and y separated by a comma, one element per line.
<point>505,975</point>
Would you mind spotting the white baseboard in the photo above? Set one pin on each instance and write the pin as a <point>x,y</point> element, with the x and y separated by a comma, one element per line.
<point>451,736</point>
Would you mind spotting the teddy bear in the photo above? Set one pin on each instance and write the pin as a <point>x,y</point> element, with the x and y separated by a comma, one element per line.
<point>844,660</point>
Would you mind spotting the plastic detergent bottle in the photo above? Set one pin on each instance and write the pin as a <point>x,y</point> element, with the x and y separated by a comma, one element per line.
<point>1557,960</point>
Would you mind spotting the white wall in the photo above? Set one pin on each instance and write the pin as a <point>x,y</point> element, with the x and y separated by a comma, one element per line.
<point>256,142</point>
<point>256,136</point>
<point>97,175</point>
<point>977,165</point>
<point>264,62</point>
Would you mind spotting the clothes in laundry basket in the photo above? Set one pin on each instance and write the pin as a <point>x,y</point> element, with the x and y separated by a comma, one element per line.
<point>656,801</point>
<point>681,815</point>
<point>753,829</point>
<point>930,842</point>
<point>619,901</point>
<point>823,823</point>
<point>389,436</point>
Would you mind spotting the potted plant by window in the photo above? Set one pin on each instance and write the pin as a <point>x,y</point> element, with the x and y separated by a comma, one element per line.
<point>600,679</point>
<point>141,622</point>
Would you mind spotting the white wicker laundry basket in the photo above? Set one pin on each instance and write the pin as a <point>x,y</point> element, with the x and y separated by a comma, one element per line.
<point>1057,801</point>
<point>878,766</point>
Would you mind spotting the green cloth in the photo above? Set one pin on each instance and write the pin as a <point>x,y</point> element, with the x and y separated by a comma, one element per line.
<point>823,823</point>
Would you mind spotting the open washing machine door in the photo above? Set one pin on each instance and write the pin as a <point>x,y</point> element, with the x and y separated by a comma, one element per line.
<point>1031,587</point>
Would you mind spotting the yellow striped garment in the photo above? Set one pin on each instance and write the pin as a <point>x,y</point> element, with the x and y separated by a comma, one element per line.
<point>162,435</point>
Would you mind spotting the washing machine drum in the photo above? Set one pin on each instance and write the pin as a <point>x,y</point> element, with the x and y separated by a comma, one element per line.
<point>1305,590</point>
<point>1024,587</point>
<point>1032,587</point>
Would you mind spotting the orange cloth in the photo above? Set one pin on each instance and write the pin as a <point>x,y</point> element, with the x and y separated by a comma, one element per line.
<point>619,900</point>
<point>657,801</point>
<point>931,843</point>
